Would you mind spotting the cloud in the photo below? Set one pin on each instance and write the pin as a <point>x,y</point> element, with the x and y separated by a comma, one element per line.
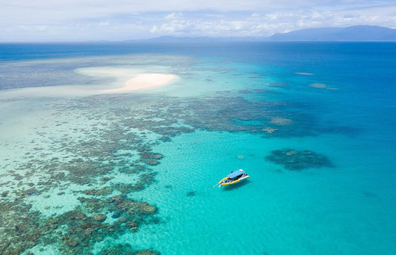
<point>67,10</point>
<point>43,20</point>
<point>173,15</point>
<point>266,24</point>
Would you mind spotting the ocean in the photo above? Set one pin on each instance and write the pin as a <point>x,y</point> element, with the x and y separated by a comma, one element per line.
<point>312,123</point>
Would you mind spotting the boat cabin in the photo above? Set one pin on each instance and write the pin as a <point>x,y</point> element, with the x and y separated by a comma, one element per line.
<point>236,175</point>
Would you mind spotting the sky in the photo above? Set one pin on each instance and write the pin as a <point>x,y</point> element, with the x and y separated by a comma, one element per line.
<point>115,20</point>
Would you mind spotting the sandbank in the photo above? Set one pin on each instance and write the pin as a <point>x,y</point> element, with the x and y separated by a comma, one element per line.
<point>145,81</point>
<point>321,86</point>
<point>281,121</point>
<point>124,79</point>
<point>318,85</point>
<point>302,73</point>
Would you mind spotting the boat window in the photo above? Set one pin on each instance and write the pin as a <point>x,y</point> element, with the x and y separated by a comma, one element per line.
<point>237,177</point>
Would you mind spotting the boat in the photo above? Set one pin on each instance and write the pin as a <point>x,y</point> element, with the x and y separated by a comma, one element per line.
<point>234,177</point>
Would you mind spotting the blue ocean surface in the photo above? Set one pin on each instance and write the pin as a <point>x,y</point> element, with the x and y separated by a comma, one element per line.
<point>313,124</point>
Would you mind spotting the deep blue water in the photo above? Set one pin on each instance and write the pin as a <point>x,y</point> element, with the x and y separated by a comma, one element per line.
<point>371,66</point>
<point>366,72</point>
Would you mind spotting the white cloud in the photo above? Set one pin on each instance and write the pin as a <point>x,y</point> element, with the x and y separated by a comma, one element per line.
<point>104,23</point>
<point>27,20</point>
<point>154,29</point>
<point>173,15</point>
<point>270,23</point>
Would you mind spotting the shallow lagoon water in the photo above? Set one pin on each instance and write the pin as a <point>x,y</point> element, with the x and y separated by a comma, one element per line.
<point>315,204</point>
<point>211,122</point>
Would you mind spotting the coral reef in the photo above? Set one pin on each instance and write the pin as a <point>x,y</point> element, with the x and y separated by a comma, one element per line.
<point>119,137</point>
<point>99,217</point>
<point>191,194</point>
<point>298,160</point>
<point>126,249</point>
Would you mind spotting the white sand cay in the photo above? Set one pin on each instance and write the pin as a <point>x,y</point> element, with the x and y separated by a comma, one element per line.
<point>145,81</point>
<point>130,78</point>
<point>125,79</point>
<point>302,73</point>
<point>318,85</point>
<point>321,86</point>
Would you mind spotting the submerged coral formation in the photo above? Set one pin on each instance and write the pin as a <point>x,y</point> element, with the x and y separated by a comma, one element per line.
<point>191,194</point>
<point>126,249</point>
<point>298,160</point>
<point>113,138</point>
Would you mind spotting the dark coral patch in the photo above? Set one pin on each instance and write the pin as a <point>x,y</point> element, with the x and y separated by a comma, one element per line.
<point>126,249</point>
<point>191,194</point>
<point>298,160</point>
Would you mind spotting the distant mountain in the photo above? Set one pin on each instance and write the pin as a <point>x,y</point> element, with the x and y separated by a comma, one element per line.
<point>353,33</point>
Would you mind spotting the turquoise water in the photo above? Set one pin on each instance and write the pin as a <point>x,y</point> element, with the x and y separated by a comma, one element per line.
<point>275,212</point>
<point>213,121</point>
